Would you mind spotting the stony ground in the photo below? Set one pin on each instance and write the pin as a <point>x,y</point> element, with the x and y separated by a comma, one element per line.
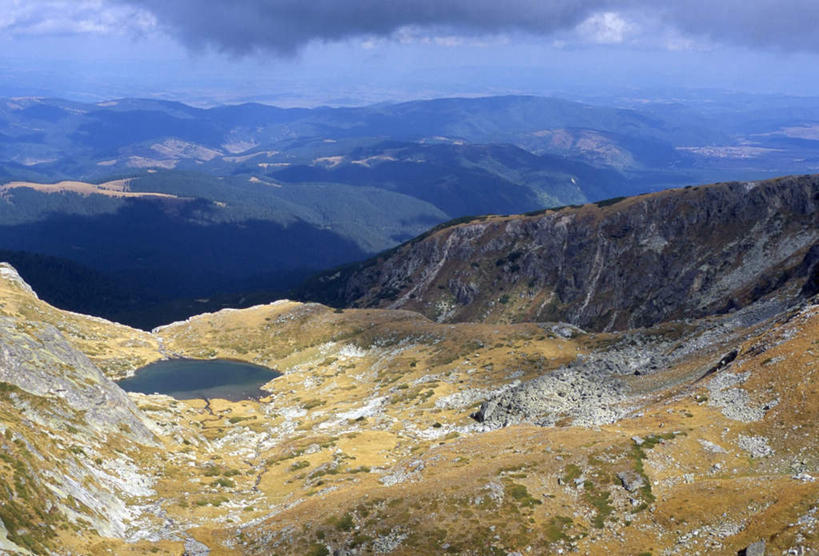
<point>690,437</point>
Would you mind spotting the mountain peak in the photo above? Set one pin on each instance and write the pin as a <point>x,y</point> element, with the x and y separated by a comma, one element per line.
<point>10,275</point>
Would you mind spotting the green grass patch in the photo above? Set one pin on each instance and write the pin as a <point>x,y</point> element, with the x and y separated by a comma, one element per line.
<point>317,549</point>
<point>556,528</point>
<point>521,495</point>
<point>601,501</point>
<point>308,405</point>
<point>638,454</point>
<point>571,472</point>
<point>238,419</point>
<point>223,482</point>
<point>345,523</point>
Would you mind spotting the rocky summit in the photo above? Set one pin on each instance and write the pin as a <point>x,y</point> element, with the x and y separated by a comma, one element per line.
<point>631,377</point>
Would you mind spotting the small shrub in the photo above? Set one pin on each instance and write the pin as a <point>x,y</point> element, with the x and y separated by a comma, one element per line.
<point>308,405</point>
<point>237,419</point>
<point>318,549</point>
<point>555,529</point>
<point>571,473</point>
<point>345,523</point>
<point>601,502</point>
<point>299,465</point>
<point>521,495</point>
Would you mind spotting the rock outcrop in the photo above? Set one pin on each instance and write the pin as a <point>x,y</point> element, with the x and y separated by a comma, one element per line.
<point>36,358</point>
<point>66,431</point>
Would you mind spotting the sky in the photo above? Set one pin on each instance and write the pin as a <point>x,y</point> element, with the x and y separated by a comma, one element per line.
<point>343,52</point>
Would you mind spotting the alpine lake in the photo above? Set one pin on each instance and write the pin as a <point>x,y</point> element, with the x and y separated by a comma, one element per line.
<point>186,379</point>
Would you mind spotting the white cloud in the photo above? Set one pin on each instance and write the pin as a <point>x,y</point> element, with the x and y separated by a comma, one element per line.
<point>606,28</point>
<point>633,29</point>
<point>371,43</point>
<point>67,17</point>
<point>446,37</point>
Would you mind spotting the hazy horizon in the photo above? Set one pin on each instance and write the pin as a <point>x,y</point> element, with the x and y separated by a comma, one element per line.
<point>360,52</point>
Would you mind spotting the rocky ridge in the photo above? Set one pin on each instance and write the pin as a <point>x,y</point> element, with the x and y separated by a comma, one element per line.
<point>614,265</point>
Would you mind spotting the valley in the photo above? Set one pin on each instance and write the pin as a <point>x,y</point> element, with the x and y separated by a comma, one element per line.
<point>667,405</point>
<point>163,210</point>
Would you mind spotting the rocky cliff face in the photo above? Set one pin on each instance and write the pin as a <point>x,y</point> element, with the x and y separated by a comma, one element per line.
<point>38,359</point>
<point>66,431</point>
<point>607,266</point>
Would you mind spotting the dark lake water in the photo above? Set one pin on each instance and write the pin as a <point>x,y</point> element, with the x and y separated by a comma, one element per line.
<point>186,379</point>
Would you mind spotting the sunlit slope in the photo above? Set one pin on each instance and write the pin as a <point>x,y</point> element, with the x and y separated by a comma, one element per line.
<point>391,433</point>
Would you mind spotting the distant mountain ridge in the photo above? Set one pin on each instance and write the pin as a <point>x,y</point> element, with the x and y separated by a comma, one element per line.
<point>42,139</point>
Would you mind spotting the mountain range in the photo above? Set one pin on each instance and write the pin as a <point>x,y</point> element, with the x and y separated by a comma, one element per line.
<point>168,210</point>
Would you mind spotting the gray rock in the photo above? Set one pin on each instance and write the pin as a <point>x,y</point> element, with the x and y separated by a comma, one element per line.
<point>389,542</point>
<point>10,274</point>
<point>757,446</point>
<point>584,391</point>
<point>495,491</point>
<point>591,390</point>
<point>409,472</point>
<point>755,549</point>
<point>6,546</point>
<point>709,446</point>
<point>631,480</point>
<point>566,331</point>
<point>735,403</point>
<point>38,359</point>
<point>195,548</point>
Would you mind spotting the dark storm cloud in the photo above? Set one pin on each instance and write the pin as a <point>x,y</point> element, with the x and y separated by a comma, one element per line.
<point>781,24</point>
<point>285,25</point>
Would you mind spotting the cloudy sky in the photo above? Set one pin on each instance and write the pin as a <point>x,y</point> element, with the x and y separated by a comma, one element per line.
<point>306,52</point>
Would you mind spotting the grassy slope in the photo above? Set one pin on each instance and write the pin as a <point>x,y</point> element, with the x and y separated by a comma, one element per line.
<point>307,466</point>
